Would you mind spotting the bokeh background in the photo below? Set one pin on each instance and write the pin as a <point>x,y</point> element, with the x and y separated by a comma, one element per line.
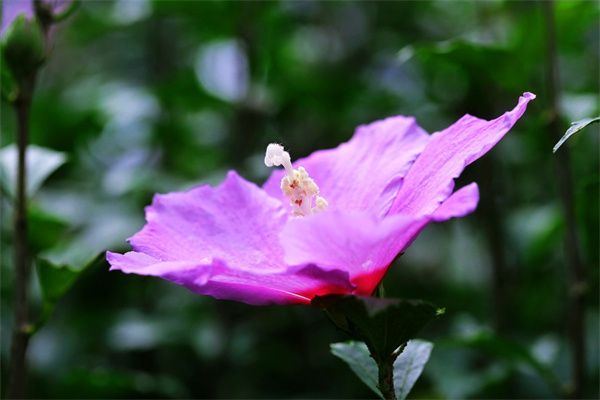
<point>156,96</point>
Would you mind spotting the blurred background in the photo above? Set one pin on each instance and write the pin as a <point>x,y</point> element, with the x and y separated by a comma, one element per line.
<point>156,96</point>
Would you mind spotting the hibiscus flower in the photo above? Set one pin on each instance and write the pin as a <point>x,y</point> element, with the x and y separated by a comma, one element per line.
<point>331,223</point>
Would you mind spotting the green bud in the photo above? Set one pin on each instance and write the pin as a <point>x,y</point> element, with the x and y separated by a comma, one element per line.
<point>23,48</point>
<point>8,87</point>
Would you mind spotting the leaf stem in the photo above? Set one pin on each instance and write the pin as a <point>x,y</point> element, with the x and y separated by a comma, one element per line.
<point>577,284</point>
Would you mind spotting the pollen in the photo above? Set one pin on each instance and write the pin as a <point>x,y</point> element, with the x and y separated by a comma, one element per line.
<point>296,185</point>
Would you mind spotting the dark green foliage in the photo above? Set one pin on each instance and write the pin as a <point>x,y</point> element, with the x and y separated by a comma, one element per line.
<point>382,329</point>
<point>121,98</point>
<point>383,324</point>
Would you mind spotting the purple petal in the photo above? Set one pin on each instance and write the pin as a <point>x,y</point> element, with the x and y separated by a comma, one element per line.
<point>431,178</point>
<point>213,278</point>
<point>236,222</point>
<point>296,286</point>
<point>180,272</point>
<point>366,172</point>
<point>361,243</point>
<point>460,203</point>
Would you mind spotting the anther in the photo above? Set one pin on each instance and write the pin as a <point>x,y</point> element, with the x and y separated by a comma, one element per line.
<point>297,185</point>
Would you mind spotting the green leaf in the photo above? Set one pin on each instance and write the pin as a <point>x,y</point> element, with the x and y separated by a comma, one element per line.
<point>383,324</point>
<point>41,162</point>
<point>573,129</point>
<point>56,279</point>
<point>45,229</point>
<point>356,355</point>
<point>409,366</point>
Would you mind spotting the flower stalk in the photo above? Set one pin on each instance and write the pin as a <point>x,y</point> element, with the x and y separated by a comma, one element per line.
<point>386,376</point>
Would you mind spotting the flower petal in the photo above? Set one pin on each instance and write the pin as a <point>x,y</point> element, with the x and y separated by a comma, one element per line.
<point>180,272</point>
<point>357,242</point>
<point>431,178</point>
<point>236,222</point>
<point>223,242</point>
<point>460,203</point>
<point>361,243</point>
<point>214,278</point>
<point>365,172</point>
<point>296,286</point>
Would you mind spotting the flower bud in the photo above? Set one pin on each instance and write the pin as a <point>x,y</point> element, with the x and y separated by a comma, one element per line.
<point>23,48</point>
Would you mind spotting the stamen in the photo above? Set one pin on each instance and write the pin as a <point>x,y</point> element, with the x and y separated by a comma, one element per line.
<point>297,185</point>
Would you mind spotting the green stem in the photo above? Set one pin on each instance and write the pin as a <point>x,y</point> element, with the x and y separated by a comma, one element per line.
<point>22,328</point>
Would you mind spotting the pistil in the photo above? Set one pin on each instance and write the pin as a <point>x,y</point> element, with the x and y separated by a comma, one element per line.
<point>297,185</point>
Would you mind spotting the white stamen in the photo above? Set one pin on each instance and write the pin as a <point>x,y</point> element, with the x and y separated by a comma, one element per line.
<point>297,185</point>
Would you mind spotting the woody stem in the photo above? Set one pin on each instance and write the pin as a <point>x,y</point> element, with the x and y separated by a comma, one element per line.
<point>21,329</point>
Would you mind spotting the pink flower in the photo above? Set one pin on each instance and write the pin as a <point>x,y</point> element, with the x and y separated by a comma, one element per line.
<point>335,231</point>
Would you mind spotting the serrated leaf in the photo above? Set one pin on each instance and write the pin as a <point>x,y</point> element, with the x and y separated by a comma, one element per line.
<point>40,162</point>
<point>383,324</point>
<point>409,366</point>
<point>573,129</point>
<point>356,355</point>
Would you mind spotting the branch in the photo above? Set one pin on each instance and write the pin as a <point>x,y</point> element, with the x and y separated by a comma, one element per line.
<point>22,329</point>
<point>577,282</point>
